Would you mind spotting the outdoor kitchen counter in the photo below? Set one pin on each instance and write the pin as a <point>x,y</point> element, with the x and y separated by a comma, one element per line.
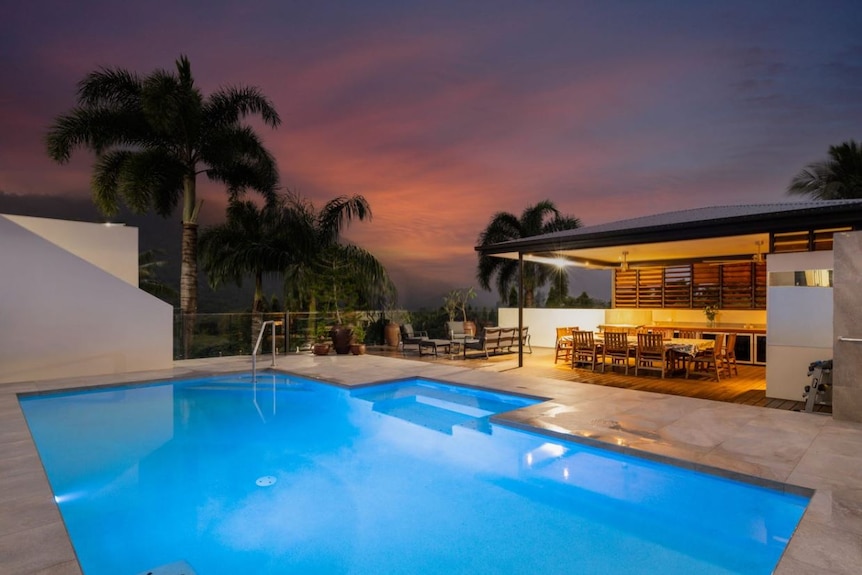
<point>716,327</point>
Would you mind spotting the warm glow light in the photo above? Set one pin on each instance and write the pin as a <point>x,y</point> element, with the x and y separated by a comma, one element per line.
<point>545,452</point>
<point>67,497</point>
<point>559,261</point>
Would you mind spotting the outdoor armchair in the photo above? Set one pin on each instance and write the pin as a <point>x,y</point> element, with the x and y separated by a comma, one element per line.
<point>409,336</point>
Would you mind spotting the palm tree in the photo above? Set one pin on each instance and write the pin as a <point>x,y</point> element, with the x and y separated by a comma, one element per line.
<point>837,178</point>
<point>255,241</point>
<point>543,218</point>
<point>336,274</point>
<point>148,277</point>
<point>152,136</point>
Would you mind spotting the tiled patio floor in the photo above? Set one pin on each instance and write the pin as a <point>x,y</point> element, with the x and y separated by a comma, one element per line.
<point>773,446</point>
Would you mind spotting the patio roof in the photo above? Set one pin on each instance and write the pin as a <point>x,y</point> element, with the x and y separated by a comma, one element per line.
<point>732,232</point>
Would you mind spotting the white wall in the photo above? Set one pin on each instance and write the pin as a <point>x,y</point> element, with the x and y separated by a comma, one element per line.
<point>62,316</point>
<point>106,246</point>
<point>544,321</point>
<point>799,325</point>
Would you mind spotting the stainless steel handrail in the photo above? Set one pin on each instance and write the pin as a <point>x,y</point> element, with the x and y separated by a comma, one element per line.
<point>274,323</point>
<point>850,339</point>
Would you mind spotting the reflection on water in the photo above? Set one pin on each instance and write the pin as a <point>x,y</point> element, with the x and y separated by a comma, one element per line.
<point>406,477</point>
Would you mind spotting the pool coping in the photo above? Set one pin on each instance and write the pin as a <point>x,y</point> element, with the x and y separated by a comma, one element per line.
<point>33,539</point>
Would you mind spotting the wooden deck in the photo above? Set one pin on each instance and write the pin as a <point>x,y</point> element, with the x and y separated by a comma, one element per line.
<point>749,387</point>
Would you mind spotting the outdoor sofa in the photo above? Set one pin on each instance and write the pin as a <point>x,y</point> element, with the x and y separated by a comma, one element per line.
<point>496,340</point>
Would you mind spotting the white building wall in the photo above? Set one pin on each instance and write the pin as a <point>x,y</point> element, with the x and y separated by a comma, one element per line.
<point>106,246</point>
<point>799,324</point>
<point>544,321</point>
<point>63,316</point>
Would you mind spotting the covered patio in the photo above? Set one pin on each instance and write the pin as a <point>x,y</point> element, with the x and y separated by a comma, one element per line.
<point>746,388</point>
<point>766,268</point>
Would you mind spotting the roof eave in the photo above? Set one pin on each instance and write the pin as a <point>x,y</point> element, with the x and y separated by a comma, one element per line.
<point>775,222</point>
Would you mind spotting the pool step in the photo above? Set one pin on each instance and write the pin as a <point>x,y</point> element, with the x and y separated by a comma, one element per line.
<point>452,399</point>
<point>433,413</point>
<point>175,568</point>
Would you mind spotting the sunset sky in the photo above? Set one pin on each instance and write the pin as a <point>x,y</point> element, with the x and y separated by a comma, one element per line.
<point>443,113</point>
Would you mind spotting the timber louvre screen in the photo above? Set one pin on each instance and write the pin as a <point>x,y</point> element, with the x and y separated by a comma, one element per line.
<point>728,286</point>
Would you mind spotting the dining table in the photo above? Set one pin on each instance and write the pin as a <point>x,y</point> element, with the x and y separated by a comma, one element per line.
<point>687,348</point>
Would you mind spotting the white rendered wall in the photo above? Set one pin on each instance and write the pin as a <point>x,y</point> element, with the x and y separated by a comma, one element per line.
<point>62,316</point>
<point>544,321</point>
<point>799,325</point>
<point>107,246</point>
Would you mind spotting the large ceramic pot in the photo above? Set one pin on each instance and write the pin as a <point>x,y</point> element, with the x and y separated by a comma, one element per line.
<point>357,349</point>
<point>470,328</point>
<point>320,348</point>
<point>342,337</point>
<point>392,334</point>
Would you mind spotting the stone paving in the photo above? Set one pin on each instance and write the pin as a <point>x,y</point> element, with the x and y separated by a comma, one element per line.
<point>799,452</point>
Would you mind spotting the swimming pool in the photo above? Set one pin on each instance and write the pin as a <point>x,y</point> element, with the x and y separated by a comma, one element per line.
<point>288,475</point>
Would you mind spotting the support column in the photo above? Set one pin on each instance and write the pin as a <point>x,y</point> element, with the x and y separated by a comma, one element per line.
<point>847,322</point>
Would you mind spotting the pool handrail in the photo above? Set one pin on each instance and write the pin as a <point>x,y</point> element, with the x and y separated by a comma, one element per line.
<point>257,346</point>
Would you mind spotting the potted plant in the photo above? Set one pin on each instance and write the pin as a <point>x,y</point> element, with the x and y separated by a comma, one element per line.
<point>462,297</point>
<point>321,346</point>
<point>450,304</point>
<point>357,345</point>
<point>710,312</point>
<point>342,335</point>
<point>392,329</point>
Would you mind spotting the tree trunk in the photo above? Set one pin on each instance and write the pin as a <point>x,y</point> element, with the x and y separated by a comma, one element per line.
<point>188,285</point>
<point>256,309</point>
<point>189,266</point>
<point>529,286</point>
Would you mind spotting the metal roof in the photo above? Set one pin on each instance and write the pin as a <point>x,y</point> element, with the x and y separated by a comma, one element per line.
<point>696,223</point>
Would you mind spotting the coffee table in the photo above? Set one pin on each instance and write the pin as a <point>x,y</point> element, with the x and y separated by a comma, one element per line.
<point>435,345</point>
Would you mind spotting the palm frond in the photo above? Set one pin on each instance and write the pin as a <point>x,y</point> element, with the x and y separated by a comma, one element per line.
<point>105,181</point>
<point>541,218</point>
<point>237,158</point>
<point>502,227</point>
<point>838,177</point>
<point>228,105</point>
<point>145,179</point>
<point>533,218</point>
<point>339,212</point>
<point>96,129</point>
<point>175,111</point>
<point>110,87</point>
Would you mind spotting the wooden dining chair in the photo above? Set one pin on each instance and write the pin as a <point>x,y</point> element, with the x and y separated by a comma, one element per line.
<point>651,353</point>
<point>585,349</point>
<point>728,356</point>
<point>674,361</point>
<point>678,361</point>
<point>564,344</point>
<point>616,347</point>
<point>709,361</point>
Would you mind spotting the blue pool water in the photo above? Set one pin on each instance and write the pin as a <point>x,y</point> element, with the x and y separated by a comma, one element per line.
<point>288,475</point>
